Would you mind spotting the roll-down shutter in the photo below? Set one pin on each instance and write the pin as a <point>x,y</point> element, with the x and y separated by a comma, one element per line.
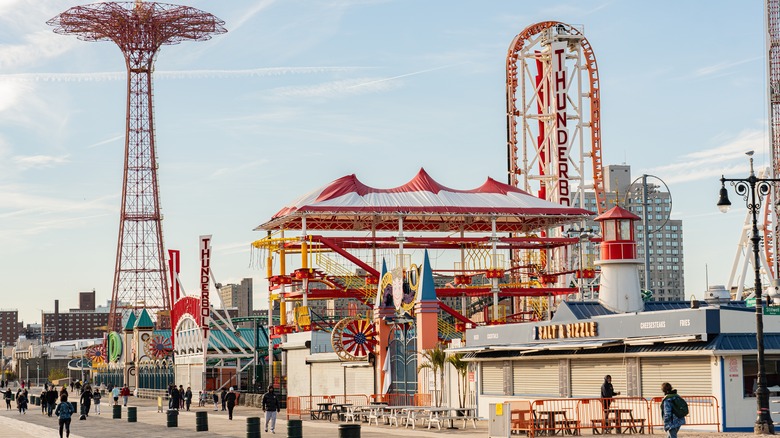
<point>689,376</point>
<point>537,378</point>
<point>359,380</point>
<point>297,373</point>
<point>587,376</point>
<point>493,378</point>
<point>327,378</point>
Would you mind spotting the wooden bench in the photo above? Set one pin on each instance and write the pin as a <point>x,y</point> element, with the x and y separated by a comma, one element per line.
<point>522,420</point>
<point>636,425</point>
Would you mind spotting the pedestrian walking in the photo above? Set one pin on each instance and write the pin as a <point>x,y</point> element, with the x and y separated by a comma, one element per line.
<point>215,397</point>
<point>125,393</point>
<point>10,396</point>
<point>188,398</point>
<point>232,398</point>
<point>115,394</point>
<point>96,396</point>
<point>181,397</point>
<point>271,406</point>
<point>63,412</point>
<point>43,400</point>
<point>672,422</point>
<point>224,395</point>
<point>175,398</point>
<point>86,402</point>
<point>21,402</point>
<point>51,400</point>
<point>201,399</point>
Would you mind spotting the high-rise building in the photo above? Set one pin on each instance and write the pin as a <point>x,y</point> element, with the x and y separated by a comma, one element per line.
<point>664,234</point>
<point>238,296</point>
<point>9,326</point>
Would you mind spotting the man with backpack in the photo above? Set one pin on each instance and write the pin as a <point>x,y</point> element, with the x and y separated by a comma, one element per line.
<point>673,409</point>
<point>64,411</point>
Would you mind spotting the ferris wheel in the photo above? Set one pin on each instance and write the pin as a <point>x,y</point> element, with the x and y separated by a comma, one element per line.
<point>353,338</point>
<point>553,115</point>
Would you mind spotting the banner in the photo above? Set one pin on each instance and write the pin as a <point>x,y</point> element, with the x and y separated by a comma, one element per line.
<point>560,90</point>
<point>205,276</point>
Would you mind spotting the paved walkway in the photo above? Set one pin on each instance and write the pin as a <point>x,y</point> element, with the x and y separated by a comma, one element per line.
<point>152,424</point>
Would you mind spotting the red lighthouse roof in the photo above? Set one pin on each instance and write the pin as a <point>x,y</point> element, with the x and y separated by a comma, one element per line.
<point>617,212</point>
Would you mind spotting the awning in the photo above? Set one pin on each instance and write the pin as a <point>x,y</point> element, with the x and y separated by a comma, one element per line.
<point>672,339</point>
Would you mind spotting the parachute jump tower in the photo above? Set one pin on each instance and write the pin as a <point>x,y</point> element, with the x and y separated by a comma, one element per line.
<point>139,29</point>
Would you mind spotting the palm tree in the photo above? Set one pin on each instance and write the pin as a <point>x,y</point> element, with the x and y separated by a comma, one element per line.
<point>435,359</point>
<point>462,368</point>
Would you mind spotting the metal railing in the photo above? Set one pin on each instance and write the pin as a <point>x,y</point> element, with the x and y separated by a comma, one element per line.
<point>601,416</point>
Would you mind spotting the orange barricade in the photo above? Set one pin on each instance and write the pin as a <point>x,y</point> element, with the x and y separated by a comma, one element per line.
<point>703,410</point>
<point>634,415</point>
<point>293,407</point>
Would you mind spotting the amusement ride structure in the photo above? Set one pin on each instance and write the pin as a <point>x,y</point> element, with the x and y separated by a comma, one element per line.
<point>139,29</point>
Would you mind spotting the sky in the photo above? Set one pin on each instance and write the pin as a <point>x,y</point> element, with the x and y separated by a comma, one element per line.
<point>299,93</point>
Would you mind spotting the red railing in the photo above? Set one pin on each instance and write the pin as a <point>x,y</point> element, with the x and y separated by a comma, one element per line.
<point>703,410</point>
<point>301,406</point>
<point>403,399</point>
<point>616,415</point>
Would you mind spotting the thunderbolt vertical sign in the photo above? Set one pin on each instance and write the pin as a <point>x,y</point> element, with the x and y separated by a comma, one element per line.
<point>560,89</point>
<point>205,275</point>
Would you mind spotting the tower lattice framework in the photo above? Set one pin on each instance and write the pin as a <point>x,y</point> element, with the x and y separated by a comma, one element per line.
<point>139,29</point>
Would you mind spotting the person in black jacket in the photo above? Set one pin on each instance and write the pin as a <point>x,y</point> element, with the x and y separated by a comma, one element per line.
<point>271,406</point>
<point>232,398</point>
<point>607,391</point>
<point>175,398</point>
<point>86,401</point>
<point>51,399</point>
<point>223,398</point>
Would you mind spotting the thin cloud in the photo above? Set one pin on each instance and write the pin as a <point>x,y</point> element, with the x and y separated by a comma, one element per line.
<point>176,74</point>
<point>716,69</point>
<point>403,76</point>
<point>248,14</point>
<point>38,161</point>
<point>335,88</point>
<point>106,141</point>
<point>233,169</point>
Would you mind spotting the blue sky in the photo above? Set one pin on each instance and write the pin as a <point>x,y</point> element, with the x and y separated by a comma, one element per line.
<point>299,93</point>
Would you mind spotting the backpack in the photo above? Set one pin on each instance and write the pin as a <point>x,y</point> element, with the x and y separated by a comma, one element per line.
<point>679,407</point>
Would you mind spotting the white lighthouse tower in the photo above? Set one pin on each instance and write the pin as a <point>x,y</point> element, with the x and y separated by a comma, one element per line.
<point>619,289</point>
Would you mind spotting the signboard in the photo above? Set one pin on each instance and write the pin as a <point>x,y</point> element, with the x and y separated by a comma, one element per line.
<point>750,302</point>
<point>560,90</point>
<point>205,275</point>
<point>772,310</point>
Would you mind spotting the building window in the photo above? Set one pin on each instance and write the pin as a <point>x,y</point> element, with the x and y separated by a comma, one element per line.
<point>750,370</point>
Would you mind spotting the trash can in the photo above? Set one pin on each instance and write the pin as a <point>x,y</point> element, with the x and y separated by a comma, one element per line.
<point>253,427</point>
<point>173,418</point>
<point>75,407</point>
<point>117,411</point>
<point>201,421</point>
<point>349,431</point>
<point>132,414</point>
<point>37,401</point>
<point>294,429</point>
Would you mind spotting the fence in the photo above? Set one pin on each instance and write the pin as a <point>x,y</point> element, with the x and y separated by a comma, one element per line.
<point>600,416</point>
<point>420,399</point>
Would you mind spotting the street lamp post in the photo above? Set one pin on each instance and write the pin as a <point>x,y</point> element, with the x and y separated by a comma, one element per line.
<point>753,190</point>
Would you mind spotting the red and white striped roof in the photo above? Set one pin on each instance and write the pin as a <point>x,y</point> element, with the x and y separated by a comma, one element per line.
<point>425,205</point>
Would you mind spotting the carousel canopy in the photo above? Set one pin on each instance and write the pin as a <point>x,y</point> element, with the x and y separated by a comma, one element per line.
<point>424,205</point>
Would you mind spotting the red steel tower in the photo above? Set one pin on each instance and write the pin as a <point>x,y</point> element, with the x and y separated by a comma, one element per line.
<point>139,29</point>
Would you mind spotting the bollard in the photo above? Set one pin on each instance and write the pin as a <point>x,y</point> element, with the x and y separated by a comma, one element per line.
<point>349,431</point>
<point>132,414</point>
<point>253,427</point>
<point>75,407</point>
<point>201,421</point>
<point>37,401</point>
<point>294,428</point>
<point>173,418</point>
<point>117,411</point>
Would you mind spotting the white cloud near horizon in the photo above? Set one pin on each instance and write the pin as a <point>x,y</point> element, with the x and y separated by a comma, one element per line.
<point>24,162</point>
<point>728,158</point>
